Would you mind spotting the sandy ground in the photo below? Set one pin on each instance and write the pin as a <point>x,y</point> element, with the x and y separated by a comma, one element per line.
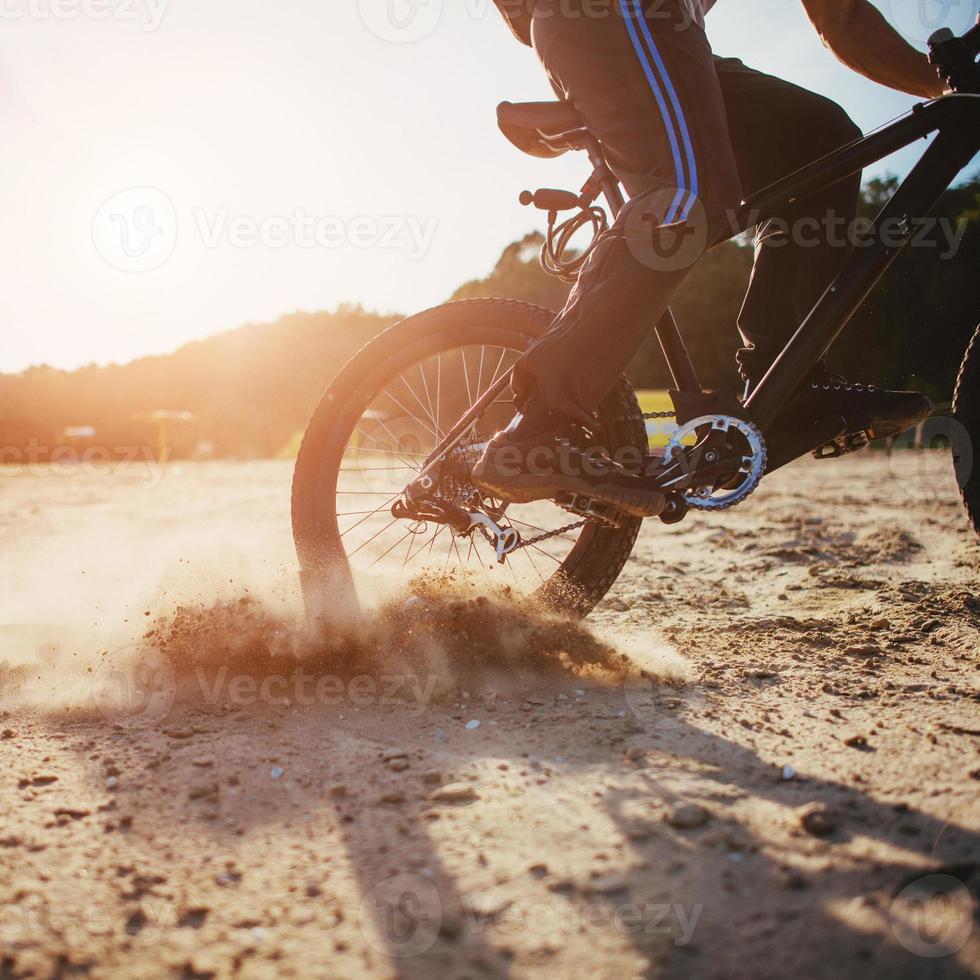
<point>794,795</point>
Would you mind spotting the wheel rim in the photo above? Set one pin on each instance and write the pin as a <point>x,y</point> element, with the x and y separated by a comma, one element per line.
<point>391,429</point>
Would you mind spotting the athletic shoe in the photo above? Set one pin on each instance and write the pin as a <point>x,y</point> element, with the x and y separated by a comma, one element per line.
<point>540,457</point>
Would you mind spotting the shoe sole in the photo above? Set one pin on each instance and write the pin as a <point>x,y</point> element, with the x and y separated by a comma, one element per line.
<point>525,489</point>
<point>886,428</point>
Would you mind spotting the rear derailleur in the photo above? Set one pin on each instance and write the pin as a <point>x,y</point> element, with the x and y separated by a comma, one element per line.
<point>421,510</point>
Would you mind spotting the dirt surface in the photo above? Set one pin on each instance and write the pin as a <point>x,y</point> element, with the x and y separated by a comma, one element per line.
<point>471,788</point>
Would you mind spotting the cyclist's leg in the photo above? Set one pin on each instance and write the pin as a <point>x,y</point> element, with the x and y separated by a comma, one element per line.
<point>777,127</point>
<point>647,87</point>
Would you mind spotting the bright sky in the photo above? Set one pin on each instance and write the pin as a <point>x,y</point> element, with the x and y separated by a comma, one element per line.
<point>290,158</point>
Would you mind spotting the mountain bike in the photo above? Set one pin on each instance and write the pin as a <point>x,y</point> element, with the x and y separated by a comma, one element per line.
<point>382,482</point>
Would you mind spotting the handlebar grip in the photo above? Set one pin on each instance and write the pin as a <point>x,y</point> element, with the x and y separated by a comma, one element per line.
<point>551,200</point>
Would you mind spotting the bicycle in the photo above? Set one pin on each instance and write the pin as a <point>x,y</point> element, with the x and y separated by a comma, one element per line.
<point>383,471</point>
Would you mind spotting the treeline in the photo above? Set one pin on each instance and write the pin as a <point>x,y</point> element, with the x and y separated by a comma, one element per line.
<point>252,389</point>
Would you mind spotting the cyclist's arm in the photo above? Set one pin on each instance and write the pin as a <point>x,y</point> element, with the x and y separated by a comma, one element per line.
<point>518,17</point>
<point>861,38</point>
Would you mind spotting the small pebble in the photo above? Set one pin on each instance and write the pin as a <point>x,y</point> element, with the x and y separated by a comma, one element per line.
<point>454,793</point>
<point>816,819</point>
<point>688,816</point>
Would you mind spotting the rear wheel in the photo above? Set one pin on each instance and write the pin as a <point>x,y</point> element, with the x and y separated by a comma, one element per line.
<point>966,441</point>
<point>388,409</point>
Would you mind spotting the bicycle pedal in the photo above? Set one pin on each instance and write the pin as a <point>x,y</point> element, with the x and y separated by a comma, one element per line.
<point>582,506</point>
<point>852,442</point>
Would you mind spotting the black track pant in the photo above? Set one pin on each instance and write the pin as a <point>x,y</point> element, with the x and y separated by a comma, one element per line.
<point>686,132</point>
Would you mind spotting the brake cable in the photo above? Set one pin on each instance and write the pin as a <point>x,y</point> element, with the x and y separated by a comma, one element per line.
<point>556,258</point>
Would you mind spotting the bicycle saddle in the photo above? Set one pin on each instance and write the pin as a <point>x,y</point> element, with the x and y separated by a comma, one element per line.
<point>538,128</point>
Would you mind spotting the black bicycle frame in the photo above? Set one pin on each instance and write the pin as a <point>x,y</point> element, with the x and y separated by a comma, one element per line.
<point>956,120</point>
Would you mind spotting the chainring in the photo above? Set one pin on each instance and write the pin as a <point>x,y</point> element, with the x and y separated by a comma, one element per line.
<point>751,465</point>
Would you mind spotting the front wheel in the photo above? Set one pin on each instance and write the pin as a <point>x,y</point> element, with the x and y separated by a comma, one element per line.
<point>966,443</point>
<point>388,409</point>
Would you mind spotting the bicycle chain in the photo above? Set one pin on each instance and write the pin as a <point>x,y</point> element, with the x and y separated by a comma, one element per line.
<point>551,534</point>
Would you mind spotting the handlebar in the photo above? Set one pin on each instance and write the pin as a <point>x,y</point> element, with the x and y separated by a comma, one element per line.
<point>551,200</point>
